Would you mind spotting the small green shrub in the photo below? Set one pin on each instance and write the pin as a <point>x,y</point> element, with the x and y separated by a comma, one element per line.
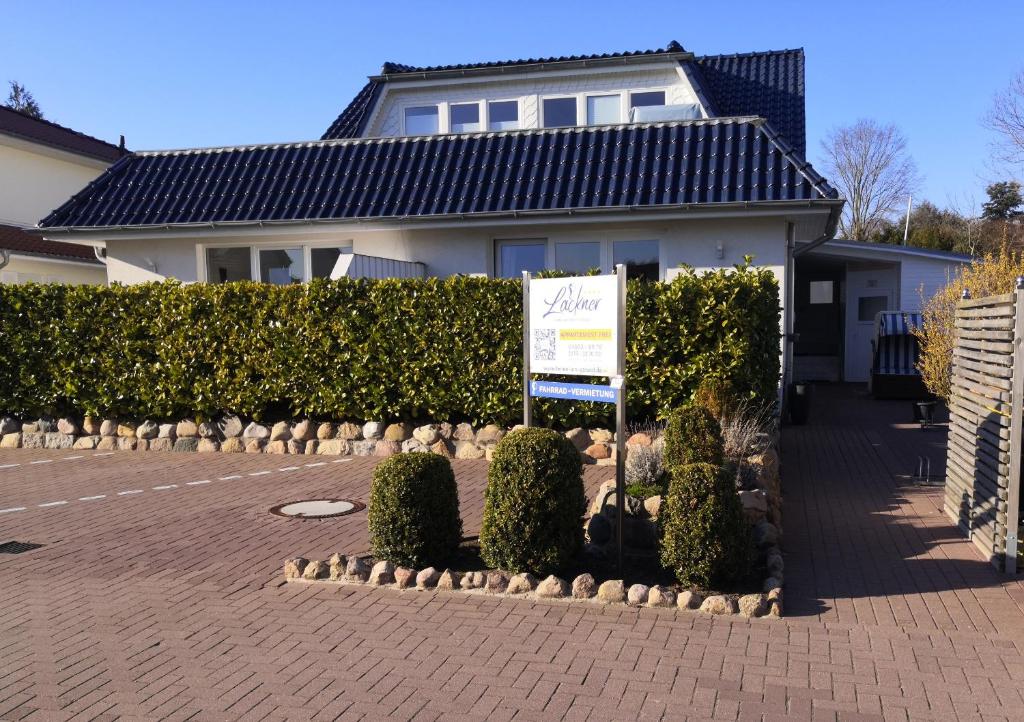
<point>645,491</point>
<point>414,510</point>
<point>534,503</point>
<point>705,540</point>
<point>717,396</point>
<point>692,436</point>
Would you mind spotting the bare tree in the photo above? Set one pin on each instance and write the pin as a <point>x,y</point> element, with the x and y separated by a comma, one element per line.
<point>1006,118</point>
<point>870,165</point>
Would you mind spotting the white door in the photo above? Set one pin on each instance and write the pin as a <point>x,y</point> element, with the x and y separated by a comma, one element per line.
<point>867,293</point>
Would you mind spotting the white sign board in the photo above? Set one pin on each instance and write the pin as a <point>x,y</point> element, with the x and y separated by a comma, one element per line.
<point>574,326</point>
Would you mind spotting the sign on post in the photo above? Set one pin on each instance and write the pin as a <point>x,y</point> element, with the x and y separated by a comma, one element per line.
<point>576,326</point>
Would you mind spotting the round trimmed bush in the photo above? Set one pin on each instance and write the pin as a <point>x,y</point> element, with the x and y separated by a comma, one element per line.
<point>705,540</point>
<point>414,510</point>
<point>692,436</point>
<point>534,503</point>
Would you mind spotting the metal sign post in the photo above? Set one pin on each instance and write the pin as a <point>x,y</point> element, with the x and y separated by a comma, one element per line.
<point>577,326</point>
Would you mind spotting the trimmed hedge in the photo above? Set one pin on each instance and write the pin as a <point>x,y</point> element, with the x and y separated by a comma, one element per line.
<point>534,503</point>
<point>439,349</point>
<point>705,540</point>
<point>414,510</point>
<point>693,436</point>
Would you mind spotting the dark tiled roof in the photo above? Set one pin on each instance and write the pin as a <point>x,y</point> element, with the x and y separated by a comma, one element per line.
<point>768,84</point>
<point>399,69</point>
<point>735,160</point>
<point>14,122</point>
<point>15,239</point>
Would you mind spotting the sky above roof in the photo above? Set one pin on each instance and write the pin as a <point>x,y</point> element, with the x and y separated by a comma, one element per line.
<point>171,75</point>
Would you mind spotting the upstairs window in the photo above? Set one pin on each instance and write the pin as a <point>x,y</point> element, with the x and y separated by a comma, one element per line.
<point>465,118</point>
<point>603,110</point>
<point>646,98</point>
<point>559,112</point>
<point>503,115</point>
<point>421,120</point>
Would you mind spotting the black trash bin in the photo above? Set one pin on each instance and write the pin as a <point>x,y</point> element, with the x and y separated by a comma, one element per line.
<point>799,403</point>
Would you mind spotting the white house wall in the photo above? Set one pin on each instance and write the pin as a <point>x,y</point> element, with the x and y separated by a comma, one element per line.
<point>25,269</point>
<point>528,89</point>
<point>35,183</point>
<point>922,278</point>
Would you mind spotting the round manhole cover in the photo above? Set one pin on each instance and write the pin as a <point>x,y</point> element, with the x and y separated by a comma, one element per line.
<point>317,508</point>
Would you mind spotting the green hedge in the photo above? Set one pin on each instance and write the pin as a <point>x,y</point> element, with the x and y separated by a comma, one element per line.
<point>414,510</point>
<point>360,349</point>
<point>693,436</point>
<point>534,503</point>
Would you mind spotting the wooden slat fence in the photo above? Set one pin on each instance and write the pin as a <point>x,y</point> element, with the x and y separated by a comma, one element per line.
<point>983,462</point>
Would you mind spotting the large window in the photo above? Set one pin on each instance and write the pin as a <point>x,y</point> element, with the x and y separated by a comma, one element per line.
<point>640,257</point>
<point>465,117</point>
<point>514,257</point>
<point>503,115</point>
<point>280,266</point>
<point>559,112</point>
<point>603,109</point>
<point>421,120</point>
<point>578,258</point>
<point>646,98</point>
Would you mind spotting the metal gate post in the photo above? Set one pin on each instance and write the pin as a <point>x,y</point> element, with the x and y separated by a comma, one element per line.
<point>1016,421</point>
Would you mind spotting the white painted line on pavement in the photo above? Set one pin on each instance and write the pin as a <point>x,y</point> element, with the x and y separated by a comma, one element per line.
<point>11,466</point>
<point>197,483</point>
<point>289,468</point>
<point>165,486</point>
<point>92,498</point>
<point>13,508</point>
<point>228,478</point>
<point>319,463</point>
<point>42,461</point>
<point>340,461</point>
<point>260,473</point>
<point>72,458</point>
<point>105,453</point>
<point>132,491</point>
<point>51,503</point>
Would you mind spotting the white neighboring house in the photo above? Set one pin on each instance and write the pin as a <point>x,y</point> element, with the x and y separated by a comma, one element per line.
<point>41,165</point>
<point>650,159</point>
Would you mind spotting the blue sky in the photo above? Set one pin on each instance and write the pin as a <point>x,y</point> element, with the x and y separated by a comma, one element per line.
<point>181,74</point>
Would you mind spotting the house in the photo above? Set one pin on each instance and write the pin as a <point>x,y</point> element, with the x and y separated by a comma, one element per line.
<point>651,159</point>
<point>42,164</point>
<point>841,286</point>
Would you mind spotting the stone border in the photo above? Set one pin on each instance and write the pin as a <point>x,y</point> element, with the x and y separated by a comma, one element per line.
<point>340,569</point>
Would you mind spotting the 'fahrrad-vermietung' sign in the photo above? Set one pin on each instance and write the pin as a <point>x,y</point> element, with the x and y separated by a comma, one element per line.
<point>574,326</point>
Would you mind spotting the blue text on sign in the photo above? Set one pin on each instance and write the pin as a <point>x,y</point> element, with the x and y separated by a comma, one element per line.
<point>576,392</point>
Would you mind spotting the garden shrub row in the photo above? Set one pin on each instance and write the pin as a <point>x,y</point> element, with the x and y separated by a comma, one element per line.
<point>361,349</point>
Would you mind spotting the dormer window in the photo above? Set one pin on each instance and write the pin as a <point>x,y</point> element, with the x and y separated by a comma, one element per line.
<point>503,115</point>
<point>603,109</point>
<point>646,98</point>
<point>559,112</point>
<point>464,117</point>
<point>421,120</point>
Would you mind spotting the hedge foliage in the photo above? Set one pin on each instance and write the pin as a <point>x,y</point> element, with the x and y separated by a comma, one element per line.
<point>414,510</point>
<point>438,349</point>
<point>692,436</point>
<point>705,540</point>
<point>534,503</point>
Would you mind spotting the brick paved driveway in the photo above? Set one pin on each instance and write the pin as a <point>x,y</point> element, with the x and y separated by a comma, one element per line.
<point>158,596</point>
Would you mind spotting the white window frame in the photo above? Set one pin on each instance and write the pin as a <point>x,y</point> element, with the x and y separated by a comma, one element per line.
<point>481,107</point>
<point>578,97</point>
<point>442,115</point>
<point>586,109</point>
<point>485,113</point>
<point>499,242</point>
<point>629,96</point>
<point>606,245</point>
<point>202,270</point>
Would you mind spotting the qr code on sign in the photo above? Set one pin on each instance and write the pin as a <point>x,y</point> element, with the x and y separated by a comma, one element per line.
<point>544,344</point>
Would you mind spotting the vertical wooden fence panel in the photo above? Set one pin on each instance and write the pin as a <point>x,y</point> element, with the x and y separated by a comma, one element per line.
<point>983,462</point>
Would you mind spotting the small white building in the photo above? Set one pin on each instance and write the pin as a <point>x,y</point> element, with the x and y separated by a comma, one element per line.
<point>841,286</point>
<point>42,164</point>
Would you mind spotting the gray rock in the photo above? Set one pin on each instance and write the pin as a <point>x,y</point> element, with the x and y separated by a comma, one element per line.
<point>398,432</point>
<point>718,604</point>
<point>553,588</point>
<point>230,427</point>
<point>765,534</point>
<point>584,587</point>
<point>147,430</point>
<point>775,602</point>
<point>207,430</point>
<point>46,424</point>
<point>357,569</point>
<point>281,431</point>
<point>159,444</point>
<point>413,445</point>
<point>293,568</point>
<point>490,434</point>
<point>187,427</point>
<point>349,431</point>
<point>753,605</point>
<point>599,529</point>
<point>473,580</point>
<point>254,446</point>
<point>464,432</point>
<point>521,584</point>
<point>373,430</point>
<point>233,445</point>
<point>67,426</point>
<point>612,592</point>
<point>383,572</point>
<point>84,442</point>
<point>9,425</point>
<point>427,434</point>
<point>601,436</point>
<point>57,440</point>
<point>126,431</point>
<point>385,448</point>
<point>30,427</point>
<point>333,447</point>
<point>325,431</point>
<point>363,448</point>
<point>253,431</point>
<point>33,440</point>
<point>167,431</point>
<point>303,430</point>
<point>652,505</point>
<point>468,450</point>
<point>497,582</point>
<point>404,577</point>
<point>11,441</point>
<point>184,444</point>
<point>580,438</point>
<point>448,581</point>
<point>296,447</point>
<point>661,597</point>
<point>316,570</point>
<point>446,430</point>
<point>310,447</point>
<point>637,594</point>
<point>206,446</point>
<point>108,427</point>
<point>338,563</point>
<point>427,578</point>
<point>689,599</point>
